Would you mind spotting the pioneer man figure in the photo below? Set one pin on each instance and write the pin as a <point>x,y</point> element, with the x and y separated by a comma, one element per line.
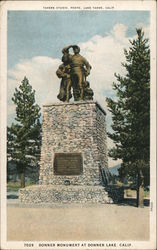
<point>79,70</point>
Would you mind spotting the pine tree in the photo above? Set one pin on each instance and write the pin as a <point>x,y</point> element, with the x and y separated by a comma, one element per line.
<point>131,115</point>
<point>24,136</point>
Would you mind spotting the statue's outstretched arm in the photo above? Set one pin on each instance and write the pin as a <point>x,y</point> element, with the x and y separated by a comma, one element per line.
<point>66,49</point>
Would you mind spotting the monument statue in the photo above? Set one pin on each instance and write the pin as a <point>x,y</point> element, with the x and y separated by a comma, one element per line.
<point>73,164</point>
<point>74,71</point>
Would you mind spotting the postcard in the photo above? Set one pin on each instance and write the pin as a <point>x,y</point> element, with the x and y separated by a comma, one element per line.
<point>78,124</point>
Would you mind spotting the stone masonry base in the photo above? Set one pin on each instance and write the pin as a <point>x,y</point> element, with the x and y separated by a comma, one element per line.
<point>63,194</point>
<point>71,128</point>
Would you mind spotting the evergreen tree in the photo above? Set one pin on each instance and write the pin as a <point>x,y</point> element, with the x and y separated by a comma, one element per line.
<point>131,115</point>
<point>24,136</point>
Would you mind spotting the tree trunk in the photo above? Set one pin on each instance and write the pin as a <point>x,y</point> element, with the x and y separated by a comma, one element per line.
<point>140,190</point>
<point>22,179</point>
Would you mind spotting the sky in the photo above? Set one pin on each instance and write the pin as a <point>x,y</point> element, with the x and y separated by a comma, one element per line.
<point>36,39</point>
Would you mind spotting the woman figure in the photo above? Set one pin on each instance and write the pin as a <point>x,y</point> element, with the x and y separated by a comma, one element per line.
<point>65,85</point>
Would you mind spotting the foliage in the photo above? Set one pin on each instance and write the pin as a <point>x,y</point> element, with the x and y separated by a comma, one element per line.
<point>131,111</point>
<point>24,136</point>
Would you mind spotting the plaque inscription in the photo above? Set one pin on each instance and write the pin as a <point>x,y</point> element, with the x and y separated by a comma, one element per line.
<point>68,164</point>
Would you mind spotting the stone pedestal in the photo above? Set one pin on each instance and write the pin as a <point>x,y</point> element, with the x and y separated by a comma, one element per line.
<point>73,155</point>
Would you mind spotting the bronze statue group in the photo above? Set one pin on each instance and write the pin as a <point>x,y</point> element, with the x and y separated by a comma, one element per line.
<point>73,73</point>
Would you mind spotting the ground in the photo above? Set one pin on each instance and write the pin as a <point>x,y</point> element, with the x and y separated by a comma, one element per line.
<point>77,222</point>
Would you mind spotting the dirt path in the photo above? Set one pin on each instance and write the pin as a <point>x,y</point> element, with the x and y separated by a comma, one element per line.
<point>76,222</point>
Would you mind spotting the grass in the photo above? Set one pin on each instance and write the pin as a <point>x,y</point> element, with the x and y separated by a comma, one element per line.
<point>132,193</point>
<point>15,186</point>
<point>146,194</point>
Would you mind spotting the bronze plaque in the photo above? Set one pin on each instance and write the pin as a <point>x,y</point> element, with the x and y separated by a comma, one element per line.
<point>68,164</point>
